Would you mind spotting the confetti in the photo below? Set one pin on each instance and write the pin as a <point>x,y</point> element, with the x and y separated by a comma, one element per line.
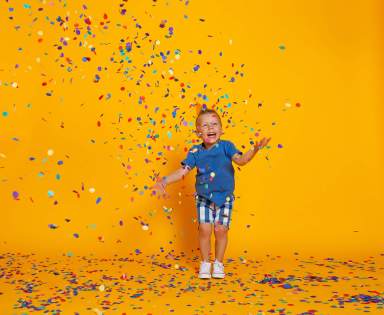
<point>15,195</point>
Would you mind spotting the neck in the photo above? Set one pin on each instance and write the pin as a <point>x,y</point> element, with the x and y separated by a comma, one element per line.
<point>210,145</point>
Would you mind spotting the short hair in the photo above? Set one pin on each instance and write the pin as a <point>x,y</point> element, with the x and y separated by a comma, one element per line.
<point>207,111</point>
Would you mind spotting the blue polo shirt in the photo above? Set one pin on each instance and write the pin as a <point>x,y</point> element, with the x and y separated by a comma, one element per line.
<point>215,174</point>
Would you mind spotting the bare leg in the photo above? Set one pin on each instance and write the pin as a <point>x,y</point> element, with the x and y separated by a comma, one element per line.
<point>205,231</point>
<point>221,240</point>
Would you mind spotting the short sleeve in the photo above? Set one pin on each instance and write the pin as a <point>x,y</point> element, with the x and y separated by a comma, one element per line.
<point>231,150</point>
<point>190,160</point>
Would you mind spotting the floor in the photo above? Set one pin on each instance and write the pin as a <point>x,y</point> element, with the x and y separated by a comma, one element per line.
<point>165,283</point>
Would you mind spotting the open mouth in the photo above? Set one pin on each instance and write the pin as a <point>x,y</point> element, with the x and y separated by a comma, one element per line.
<point>211,135</point>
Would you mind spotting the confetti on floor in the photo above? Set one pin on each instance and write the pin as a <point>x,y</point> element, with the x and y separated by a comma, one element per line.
<point>167,283</point>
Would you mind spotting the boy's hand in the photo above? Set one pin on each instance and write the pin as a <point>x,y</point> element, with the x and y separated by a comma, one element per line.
<point>160,188</point>
<point>261,144</point>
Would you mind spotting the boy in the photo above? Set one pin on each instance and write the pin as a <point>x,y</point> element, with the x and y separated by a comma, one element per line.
<point>214,186</point>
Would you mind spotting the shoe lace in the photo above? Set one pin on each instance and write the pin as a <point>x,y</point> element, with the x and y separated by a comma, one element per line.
<point>219,267</point>
<point>205,267</point>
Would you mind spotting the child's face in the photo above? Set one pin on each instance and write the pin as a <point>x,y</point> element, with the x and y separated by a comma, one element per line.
<point>209,128</point>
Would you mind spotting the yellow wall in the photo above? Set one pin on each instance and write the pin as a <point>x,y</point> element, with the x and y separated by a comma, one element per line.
<point>321,192</point>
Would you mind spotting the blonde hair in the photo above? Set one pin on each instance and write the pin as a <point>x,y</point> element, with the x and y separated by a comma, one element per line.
<point>207,111</point>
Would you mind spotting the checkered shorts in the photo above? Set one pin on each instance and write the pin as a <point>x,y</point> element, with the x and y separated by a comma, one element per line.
<point>209,212</point>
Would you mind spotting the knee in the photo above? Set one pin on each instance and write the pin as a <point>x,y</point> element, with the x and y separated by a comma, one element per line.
<point>220,231</point>
<point>205,230</point>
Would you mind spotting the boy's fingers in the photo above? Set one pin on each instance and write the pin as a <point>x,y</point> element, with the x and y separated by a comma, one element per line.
<point>262,143</point>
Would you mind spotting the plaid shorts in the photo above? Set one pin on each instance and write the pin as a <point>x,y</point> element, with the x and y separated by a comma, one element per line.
<point>209,212</point>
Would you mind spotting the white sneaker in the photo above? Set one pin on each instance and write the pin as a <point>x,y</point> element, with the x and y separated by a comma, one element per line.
<point>205,270</point>
<point>218,270</point>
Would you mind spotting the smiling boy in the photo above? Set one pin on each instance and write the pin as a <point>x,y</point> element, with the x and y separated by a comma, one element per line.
<point>214,185</point>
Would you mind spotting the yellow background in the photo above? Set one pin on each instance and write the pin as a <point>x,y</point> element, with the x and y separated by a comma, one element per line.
<point>322,192</point>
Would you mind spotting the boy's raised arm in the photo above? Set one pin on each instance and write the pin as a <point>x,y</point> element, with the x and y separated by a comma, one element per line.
<point>171,178</point>
<point>248,156</point>
<point>176,175</point>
